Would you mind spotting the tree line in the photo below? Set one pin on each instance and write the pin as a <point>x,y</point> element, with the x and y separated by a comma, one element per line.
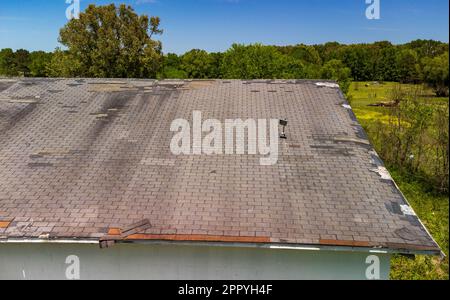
<point>110,41</point>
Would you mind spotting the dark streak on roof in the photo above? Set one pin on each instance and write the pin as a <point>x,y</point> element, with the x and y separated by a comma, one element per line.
<point>79,158</point>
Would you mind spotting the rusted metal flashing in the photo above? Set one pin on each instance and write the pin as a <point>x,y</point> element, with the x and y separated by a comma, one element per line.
<point>4,224</point>
<point>134,233</point>
<point>114,231</point>
<point>116,234</point>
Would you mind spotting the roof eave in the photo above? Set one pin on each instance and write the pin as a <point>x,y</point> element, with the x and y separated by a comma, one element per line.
<point>274,246</point>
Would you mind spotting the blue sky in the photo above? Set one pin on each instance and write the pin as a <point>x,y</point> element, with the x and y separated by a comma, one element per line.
<point>214,25</point>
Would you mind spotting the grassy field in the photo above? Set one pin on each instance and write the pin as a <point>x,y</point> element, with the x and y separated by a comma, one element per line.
<point>432,208</point>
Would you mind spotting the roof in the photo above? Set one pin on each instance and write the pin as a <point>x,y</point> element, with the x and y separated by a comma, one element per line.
<point>88,159</point>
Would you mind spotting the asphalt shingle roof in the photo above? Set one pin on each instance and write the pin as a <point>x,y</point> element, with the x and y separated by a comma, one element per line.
<point>85,158</point>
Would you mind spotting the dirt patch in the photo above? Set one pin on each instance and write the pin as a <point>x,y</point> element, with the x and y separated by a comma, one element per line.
<point>200,84</point>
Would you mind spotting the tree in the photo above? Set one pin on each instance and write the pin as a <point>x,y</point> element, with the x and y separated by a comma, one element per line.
<point>435,74</point>
<point>216,62</point>
<point>63,64</point>
<point>336,70</point>
<point>427,48</point>
<point>172,67</point>
<point>197,64</point>
<point>386,70</point>
<point>110,41</point>
<point>307,54</point>
<point>21,62</point>
<point>38,63</point>
<point>407,66</point>
<point>259,62</point>
<point>329,51</point>
<point>7,62</point>
<point>14,63</point>
<point>359,58</point>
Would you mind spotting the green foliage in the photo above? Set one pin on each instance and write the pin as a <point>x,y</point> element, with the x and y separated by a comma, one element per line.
<point>435,74</point>
<point>359,59</point>
<point>307,54</point>
<point>386,64</point>
<point>24,63</point>
<point>110,41</point>
<point>336,70</point>
<point>115,42</point>
<point>63,64</point>
<point>329,51</point>
<point>408,66</point>
<point>427,48</point>
<point>418,126</point>
<point>21,62</point>
<point>259,62</point>
<point>39,61</point>
<point>7,62</point>
<point>412,136</point>
<point>174,73</point>
<point>14,63</point>
<point>197,64</point>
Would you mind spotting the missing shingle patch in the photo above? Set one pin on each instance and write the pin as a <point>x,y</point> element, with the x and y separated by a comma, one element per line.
<point>199,84</point>
<point>40,165</point>
<point>53,152</point>
<point>111,87</point>
<point>407,210</point>
<point>383,172</point>
<point>328,85</point>
<point>406,234</point>
<point>352,140</point>
<point>346,106</point>
<point>100,115</point>
<point>74,84</point>
<point>394,208</point>
<point>21,101</point>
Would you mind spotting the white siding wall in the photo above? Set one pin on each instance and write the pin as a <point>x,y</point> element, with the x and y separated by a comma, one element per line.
<point>48,261</point>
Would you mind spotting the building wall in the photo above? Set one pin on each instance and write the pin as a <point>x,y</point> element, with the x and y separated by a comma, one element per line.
<point>130,261</point>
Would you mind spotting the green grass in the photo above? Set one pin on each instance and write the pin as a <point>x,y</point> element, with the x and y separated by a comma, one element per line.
<point>431,208</point>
